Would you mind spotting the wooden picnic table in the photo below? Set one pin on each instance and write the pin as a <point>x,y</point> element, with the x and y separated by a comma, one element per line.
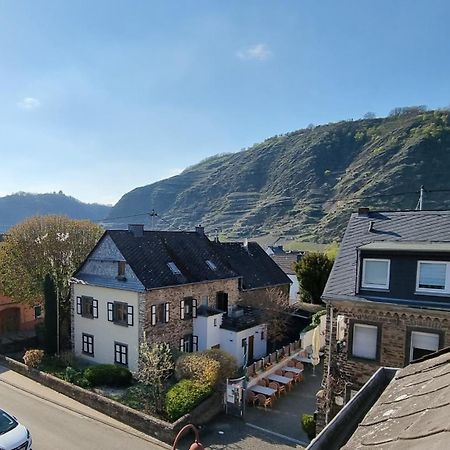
<point>263,390</point>
<point>279,378</point>
<point>292,369</point>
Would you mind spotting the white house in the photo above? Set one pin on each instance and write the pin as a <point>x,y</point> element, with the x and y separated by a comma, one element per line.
<point>175,287</point>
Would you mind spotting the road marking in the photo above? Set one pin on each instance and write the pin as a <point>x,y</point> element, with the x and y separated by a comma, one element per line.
<point>281,436</point>
<point>130,431</point>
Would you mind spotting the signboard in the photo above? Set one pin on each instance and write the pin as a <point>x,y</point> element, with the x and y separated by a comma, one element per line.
<point>234,396</point>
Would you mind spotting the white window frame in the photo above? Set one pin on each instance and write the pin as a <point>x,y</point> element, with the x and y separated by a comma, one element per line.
<point>376,286</point>
<point>446,289</point>
<point>365,325</point>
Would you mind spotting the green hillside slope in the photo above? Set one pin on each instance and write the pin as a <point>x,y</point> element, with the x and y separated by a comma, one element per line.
<point>17,207</point>
<point>306,183</point>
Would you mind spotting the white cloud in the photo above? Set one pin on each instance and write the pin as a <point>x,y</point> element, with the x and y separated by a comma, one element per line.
<point>259,52</point>
<point>29,103</point>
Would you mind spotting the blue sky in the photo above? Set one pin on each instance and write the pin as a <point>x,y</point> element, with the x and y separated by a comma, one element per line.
<point>99,97</point>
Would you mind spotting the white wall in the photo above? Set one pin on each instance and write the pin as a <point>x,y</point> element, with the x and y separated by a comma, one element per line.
<point>106,333</point>
<point>293,290</point>
<point>231,342</point>
<point>208,330</point>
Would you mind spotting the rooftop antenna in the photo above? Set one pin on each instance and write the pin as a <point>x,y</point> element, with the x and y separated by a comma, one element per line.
<point>153,214</point>
<point>420,202</point>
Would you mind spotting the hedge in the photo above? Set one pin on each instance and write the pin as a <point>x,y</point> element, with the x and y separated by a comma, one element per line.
<point>107,374</point>
<point>184,396</point>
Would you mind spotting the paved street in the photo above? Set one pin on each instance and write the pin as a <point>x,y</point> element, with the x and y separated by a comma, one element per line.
<point>60,423</point>
<point>55,427</point>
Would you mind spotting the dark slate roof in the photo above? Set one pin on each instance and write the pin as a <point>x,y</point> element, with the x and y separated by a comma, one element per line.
<point>412,412</point>
<point>286,262</point>
<point>253,263</point>
<point>403,226</point>
<point>149,254</point>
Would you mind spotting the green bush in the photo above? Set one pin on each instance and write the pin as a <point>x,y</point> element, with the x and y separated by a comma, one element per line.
<point>77,377</point>
<point>108,374</point>
<point>184,396</point>
<point>309,425</point>
<point>137,397</point>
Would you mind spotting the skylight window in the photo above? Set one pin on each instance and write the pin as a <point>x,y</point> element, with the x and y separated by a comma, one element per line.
<point>211,265</point>
<point>175,270</point>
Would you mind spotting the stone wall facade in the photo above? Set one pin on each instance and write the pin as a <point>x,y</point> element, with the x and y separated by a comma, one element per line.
<point>349,373</point>
<point>177,328</point>
<point>266,296</point>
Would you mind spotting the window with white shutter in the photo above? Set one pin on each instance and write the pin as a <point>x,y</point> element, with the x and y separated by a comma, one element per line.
<point>195,343</point>
<point>153,315</point>
<point>182,309</point>
<point>78,305</point>
<point>182,345</point>
<point>95,308</point>
<point>194,307</point>
<point>166,312</point>
<point>365,341</point>
<point>110,307</point>
<point>130,316</point>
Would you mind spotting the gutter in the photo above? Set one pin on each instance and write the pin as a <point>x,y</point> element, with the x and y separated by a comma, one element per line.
<point>336,434</point>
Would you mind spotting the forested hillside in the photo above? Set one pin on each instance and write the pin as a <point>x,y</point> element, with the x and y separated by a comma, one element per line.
<point>305,183</point>
<point>16,207</point>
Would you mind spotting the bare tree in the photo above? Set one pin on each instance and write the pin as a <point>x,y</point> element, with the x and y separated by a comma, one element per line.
<point>272,304</point>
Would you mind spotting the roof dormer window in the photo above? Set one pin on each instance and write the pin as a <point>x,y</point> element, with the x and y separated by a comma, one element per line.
<point>211,265</point>
<point>375,273</point>
<point>173,267</point>
<point>433,276</point>
<point>121,265</point>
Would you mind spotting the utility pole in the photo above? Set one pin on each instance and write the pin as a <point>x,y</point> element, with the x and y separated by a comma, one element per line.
<point>153,214</point>
<point>420,202</point>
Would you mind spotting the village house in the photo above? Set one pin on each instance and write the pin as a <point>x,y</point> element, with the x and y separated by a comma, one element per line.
<point>287,261</point>
<point>388,299</point>
<point>171,286</point>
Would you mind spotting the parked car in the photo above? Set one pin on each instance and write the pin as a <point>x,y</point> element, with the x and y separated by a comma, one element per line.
<point>13,435</point>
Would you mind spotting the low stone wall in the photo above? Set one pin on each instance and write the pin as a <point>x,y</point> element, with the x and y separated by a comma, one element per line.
<point>160,429</point>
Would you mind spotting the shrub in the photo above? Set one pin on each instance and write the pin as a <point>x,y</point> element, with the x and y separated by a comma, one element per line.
<point>138,397</point>
<point>228,363</point>
<point>198,367</point>
<point>108,374</point>
<point>184,396</point>
<point>309,425</point>
<point>67,358</point>
<point>77,377</point>
<point>33,358</point>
